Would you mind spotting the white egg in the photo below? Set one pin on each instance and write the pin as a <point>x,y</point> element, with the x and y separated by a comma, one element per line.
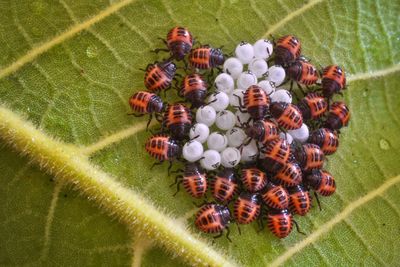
<point>230,157</point>
<point>244,52</point>
<point>242,117</point>
<point>211,160</point>
<point>233,67</point>
<point>281,95</point>
<point>219,101</point>
<point>263,48</point>
<point>276,74</point>
<point>234,97</point>
<point>259,67</point>
<point>199,132</point>
<point>300,134</point>
<point>225,120</point>
<point>236,137</point>
<point>250,152</point>
<point>217,141</point>
<point>267,86</point>
<point>287,137</point>
<point>246,79</point>
<point>192,151</point>
<point>224,83</point>
<point>206,115</point>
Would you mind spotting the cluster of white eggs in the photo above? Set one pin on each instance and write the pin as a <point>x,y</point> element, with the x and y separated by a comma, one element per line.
<point>229,145</point>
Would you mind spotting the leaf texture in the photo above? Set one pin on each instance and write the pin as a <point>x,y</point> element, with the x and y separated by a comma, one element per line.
<point>69,68</point>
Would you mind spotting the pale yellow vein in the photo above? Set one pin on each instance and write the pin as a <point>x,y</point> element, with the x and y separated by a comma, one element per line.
<point>40,49</point>
<point>291,16</point>
<point>374,74</point>
<point>114,138</point>
<point>140,246</point>
<point>323,229</point>
<point>50,218</point>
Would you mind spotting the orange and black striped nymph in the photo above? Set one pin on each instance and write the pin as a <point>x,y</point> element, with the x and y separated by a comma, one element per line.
<point>289,175</point>
<point>212,218</point>
<point>247,208</point>
<point>144,102</point>
<point>159,75</point>
<point>275,196</point>
<point>280,222</point>
<point>263,131</point>
<point>310,157</point>
<point>206,57</point>
<point>287,50</point>
<point>299,200</point>
<point>194,89</point>
<point>162,147</point>
<point>225,185</point>
<point>194,180</point>
<point>256,101</point>
<point>322,182</point>
<point>253,179</point>
<point>326,139</point>
<point>313,106</point>
<point>179,42</point>
<point>276,153</point>
<point>287,115</point>
<point>303,72</point>
<point>333,80</point>
<point>339,116</point>
<point>178,119</point>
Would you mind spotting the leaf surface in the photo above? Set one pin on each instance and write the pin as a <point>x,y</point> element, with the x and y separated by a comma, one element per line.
<point>69,68</point>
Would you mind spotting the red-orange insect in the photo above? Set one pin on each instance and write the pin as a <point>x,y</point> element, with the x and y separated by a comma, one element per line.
<point>333,80</point>
<point>280,222</point>
<point>326,139</point>
<point>339,116</point>
<point>322,182</point>
<point>287,50</point>
<point>313,106</point>
<point>300,200</point>
<point>194,180</point>
<point>263,131</point>
<point>256,102</point>
<point>178,119</point>
<point>253,179</point>
<point>289,175</point>
<point>159,75</point>
<point>225,186</point>
<point>247,208</point>
<point>303,72</point>
<point>144,102</point>
<point>275,196</point>
<point>212,218</point>
<point>310,157</point>
<point>206,57</point>
<point>194,89</point>
<point>276,153</point>
<point>179,42</point>
<point>287,115</point>
<point>162,147</point>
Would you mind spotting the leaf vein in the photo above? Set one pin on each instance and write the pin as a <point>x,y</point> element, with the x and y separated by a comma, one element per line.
<point>335,220</point>
<point>58,39</point>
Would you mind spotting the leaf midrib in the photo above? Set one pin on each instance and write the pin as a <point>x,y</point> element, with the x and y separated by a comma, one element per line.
<point>67,164</point>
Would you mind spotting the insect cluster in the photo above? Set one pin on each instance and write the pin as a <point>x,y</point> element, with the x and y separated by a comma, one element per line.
<point>258,147</point>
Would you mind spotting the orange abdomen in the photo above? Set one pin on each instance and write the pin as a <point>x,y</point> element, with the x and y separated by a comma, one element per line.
<point>289,175</point>
<point>280,222</point>
<point>300,201</point>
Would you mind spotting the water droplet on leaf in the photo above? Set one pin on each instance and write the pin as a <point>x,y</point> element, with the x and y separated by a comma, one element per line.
<point>384,144</point>
<point>92,51</point>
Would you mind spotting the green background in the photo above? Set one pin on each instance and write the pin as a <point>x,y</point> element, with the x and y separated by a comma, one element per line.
<point>76,90</point>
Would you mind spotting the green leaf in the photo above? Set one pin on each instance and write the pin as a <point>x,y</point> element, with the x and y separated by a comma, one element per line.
<point>76,184</point>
